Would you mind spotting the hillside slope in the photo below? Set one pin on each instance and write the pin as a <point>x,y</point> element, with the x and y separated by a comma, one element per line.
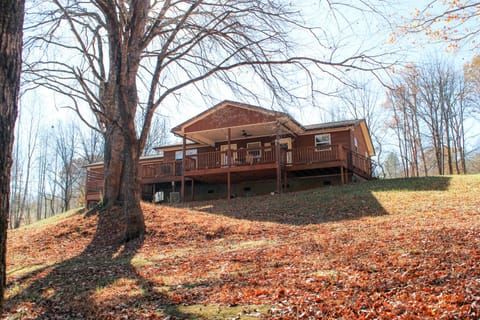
<point>382,249</point>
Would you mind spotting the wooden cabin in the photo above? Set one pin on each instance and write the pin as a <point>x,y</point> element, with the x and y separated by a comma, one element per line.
<point>235,149</point>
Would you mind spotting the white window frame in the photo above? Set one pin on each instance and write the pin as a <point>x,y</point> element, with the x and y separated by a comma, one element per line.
<point>320,144</point>
<point>179,155</point>
<point>188,152</point>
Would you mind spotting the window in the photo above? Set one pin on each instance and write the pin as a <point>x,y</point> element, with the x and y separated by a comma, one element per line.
<point>322,140</point>
<point>267,146</point>
<point>254,149</point>
<point>224,152</point>
<point>355,143</point>
<point>254,152</point>
<point>191,152</point>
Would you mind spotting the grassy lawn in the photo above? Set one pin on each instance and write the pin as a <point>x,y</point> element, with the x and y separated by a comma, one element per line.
<point>404,248</point>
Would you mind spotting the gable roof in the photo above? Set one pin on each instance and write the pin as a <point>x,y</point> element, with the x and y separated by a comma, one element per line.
<point>212,124</point>
<point>235,118</point>
<point>226,103</point>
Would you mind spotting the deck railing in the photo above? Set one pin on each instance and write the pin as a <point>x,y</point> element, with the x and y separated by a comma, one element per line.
<point>163,168</point>
<point>152,171</point>
<point>242,157</point>
<point>309,155</point>
<point>360,163</point>
<point>329,153</point>
<point>232,158</point>
<point>94,185</point>
<point>94,181</point>
<point>264,155</point>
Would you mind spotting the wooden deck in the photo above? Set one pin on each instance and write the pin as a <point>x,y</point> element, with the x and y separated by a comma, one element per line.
<point>210,164</point>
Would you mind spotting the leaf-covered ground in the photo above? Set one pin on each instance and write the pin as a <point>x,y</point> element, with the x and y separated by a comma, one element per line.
<point>407,249</point>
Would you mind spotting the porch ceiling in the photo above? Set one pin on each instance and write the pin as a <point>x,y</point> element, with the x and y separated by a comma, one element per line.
<point>249,131</point>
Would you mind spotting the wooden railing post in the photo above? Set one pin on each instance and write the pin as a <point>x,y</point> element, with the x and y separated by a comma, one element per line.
<point>184,147</point>
<point>277,154</point>
<point>229,164</point>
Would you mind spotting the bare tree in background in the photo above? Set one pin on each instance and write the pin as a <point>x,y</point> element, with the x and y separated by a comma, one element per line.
<point>91,146</point>
<point>157,136</point>
<point>443,110</point>
<point>363,102</point>
<point>430,103</point>
<point>11,22</point>
<point>405,104</point>
<point>109,53</point>
<point>45,156</point>
<point>22,174</point>
<point>397,103</point>
<point>66,145</point>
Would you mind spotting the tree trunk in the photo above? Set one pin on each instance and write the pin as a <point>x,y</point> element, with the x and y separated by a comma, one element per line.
<point>131,193</point>
<point>11,26</point>
<point>447,140</point>
<point>122,187</point>
<point>122,147</point>
<point>113,166</point>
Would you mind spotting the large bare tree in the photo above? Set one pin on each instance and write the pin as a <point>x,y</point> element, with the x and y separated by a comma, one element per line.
<point>430,104</point>
<point>108,54</point>
<point>11,24</point>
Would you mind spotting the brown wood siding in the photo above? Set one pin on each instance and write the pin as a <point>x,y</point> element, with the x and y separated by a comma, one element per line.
<point>170,155</point>
<point>229,116</point>
<point>206,149</point>
<point>339,137</point>
<point>96,169</point>
<point>243,143</point>
<point>362,144</point>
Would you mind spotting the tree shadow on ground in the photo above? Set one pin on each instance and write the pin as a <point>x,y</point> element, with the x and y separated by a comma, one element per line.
<point>78,288</point>
<point>328,204</point>
<point>73,288</point>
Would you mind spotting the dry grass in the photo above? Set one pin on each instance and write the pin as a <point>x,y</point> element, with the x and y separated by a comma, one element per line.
<point>383,249</point>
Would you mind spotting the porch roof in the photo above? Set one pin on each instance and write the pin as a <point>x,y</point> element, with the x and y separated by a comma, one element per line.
<point>243,121</point>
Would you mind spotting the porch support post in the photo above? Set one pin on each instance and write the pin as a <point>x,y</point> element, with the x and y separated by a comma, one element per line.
<point>229,164</point>
<point>342,174</point>
<point>279,169</point>
<point>184,147</point>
